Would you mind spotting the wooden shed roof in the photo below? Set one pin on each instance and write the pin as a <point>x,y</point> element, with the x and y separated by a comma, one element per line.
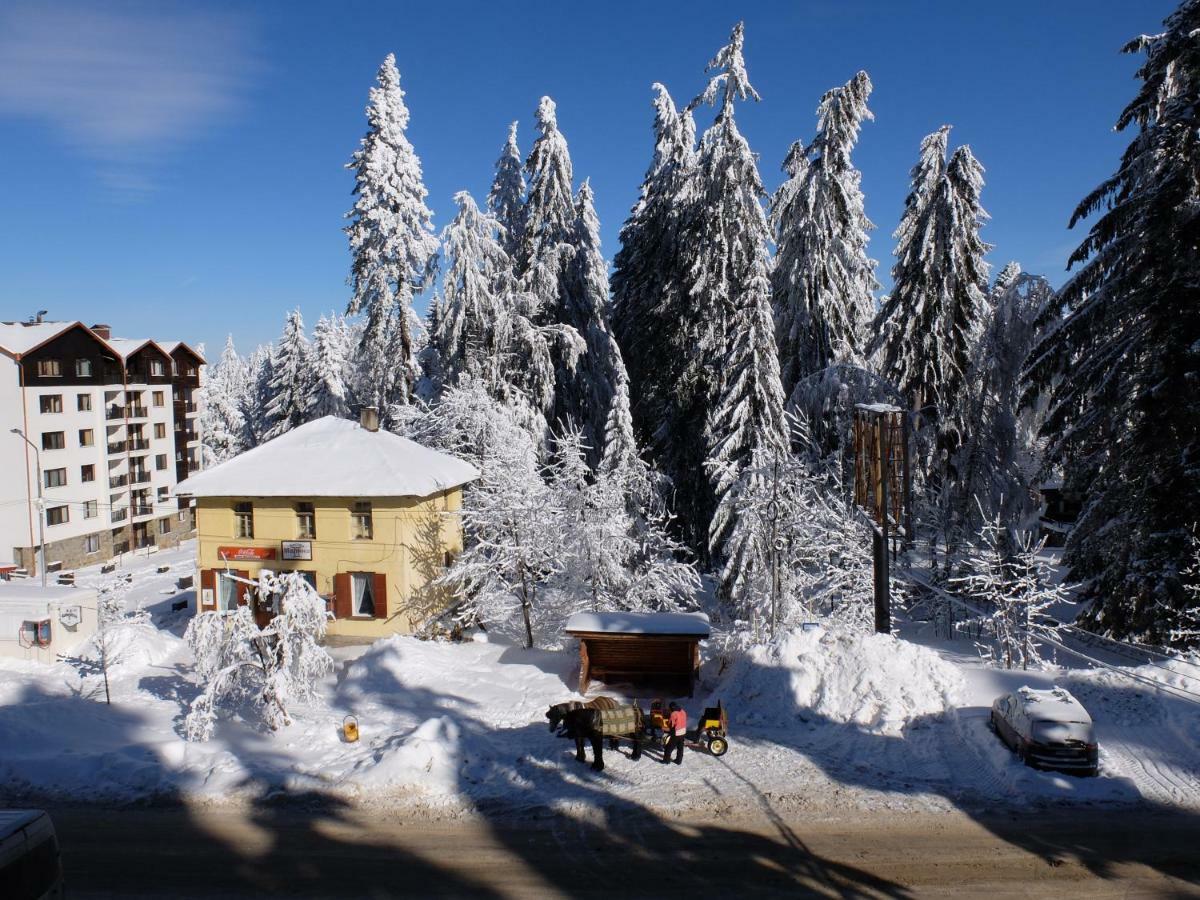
<point>661,624</point>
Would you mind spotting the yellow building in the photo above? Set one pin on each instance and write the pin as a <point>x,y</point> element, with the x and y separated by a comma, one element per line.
<point>369,517</point>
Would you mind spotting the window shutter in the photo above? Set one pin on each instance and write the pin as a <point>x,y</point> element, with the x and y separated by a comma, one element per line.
<point>342,596</point>
<point>208,582</point>
<point>242,589</point>
<point>381,606</point>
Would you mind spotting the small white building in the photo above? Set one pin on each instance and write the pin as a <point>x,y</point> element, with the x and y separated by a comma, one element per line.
<point>39,623</point>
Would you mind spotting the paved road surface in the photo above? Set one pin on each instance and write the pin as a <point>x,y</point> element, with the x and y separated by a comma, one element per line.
<point>325,851</point>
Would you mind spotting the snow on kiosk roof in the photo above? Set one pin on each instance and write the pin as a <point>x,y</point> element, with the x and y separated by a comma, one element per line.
<point>694,624</point>
<point>333,457</point>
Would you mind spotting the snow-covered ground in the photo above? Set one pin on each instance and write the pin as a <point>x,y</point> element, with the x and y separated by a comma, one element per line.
<point>822,722</point>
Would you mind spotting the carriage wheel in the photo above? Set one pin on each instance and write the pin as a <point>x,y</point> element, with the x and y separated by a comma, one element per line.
<point>718,746</point>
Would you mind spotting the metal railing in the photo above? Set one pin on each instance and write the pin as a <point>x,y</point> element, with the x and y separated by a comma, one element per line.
<point>139,444</point>
<point>117,481</point>
<point>138,412</point>
<point>116,447</point>
<point>119,515</point>
<point>139,477</point>
<point>115,412</point>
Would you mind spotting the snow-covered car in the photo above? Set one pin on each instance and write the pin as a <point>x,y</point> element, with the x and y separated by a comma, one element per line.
<point>1048,729</point>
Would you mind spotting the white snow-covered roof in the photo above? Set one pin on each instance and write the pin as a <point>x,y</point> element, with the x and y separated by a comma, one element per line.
<point>126,347</point>
<point>638,623</point>
<point>332,457</point>
<point>879,407</point>
<point>1056,704</point>
<point>18,337</point>
<point>28,599</point>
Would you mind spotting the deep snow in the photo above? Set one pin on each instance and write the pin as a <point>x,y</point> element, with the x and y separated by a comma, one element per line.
<point>822,722</point>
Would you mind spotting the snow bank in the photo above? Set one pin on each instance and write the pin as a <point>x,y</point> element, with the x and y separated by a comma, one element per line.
<point>871,680</point>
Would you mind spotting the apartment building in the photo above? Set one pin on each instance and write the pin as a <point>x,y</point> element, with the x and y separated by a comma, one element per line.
<point>112,422</point>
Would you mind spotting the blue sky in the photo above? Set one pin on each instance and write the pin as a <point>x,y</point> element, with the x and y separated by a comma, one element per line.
<point>176,170</point>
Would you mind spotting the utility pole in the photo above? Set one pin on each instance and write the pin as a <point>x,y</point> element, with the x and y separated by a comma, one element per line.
<point>41,505</point>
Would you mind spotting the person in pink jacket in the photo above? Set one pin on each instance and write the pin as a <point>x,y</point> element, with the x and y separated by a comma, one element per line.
<point>676,730</point>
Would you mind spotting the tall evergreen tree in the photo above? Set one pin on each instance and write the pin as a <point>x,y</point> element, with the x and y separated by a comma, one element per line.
<point>260,372</point>
<point>392,242</point>
<point>1122,368</point>
<point>598,381</point>
<point>548,221</point>
<point>330,394</point>
<point>823,282</point>
<point>222,423</point>
<point>506,200</point>
<point>291,384</point>
<point>649,284</point>
<point>469,335</point>
<point>735,377</point>
<point>927,329</point>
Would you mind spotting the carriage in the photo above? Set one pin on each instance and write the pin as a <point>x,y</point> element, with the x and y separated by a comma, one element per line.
<point>711,732</point>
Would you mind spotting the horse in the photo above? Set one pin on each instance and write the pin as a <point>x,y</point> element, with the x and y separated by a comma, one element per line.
<point>596,720</point>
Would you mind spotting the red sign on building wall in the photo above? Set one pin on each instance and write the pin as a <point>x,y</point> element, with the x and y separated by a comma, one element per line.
<point>235,553</point>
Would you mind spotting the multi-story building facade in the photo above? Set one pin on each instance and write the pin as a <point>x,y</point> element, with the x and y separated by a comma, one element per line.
<point>113,426</point>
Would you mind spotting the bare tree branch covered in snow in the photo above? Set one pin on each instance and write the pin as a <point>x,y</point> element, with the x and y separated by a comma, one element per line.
<point>116,627</point>
<point>268,667</point>
<point>1006,576</point>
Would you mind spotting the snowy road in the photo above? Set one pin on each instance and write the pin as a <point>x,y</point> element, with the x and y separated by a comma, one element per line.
<point>327,850</point>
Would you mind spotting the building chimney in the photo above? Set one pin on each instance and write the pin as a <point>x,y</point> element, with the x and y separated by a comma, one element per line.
<point>41,315</point>
<point>368,417</point>
<point>104,332</point>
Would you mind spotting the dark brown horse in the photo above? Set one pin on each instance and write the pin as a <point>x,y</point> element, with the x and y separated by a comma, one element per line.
<point>596,720</point>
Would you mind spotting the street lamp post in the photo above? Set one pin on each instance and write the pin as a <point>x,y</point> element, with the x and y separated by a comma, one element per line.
<point>37,456</point>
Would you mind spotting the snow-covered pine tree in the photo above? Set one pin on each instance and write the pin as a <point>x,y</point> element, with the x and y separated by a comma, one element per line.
<point>823,282</point>
<point>927,329</point>
<point>649,286</point>
<point>548,219</point>
<point>329,363</point>
<point>1123,366</point>
<point>1000,455</point>
<point>734,379</point>
<point>506,200</point>
<point>260,372</point>
<point>469,336</point>
<point>291,385</point>
<point>594,394</point>
<point>222,423</point>
<point>392,242</point>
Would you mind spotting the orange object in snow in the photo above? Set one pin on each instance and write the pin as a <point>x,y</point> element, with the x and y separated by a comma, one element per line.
<point>350,729</point>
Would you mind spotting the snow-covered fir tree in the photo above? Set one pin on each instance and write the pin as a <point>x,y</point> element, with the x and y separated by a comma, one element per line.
<point>594,393</point>
<point>260,372</point>
<point>823,281</point>
<point>506,199</point>
<point>649,285</point>
<point>222,422</point>
<point>1001,455</point>
<point>1122,368</point>
<point>291,384</point>
<point>734,381</point>
<point>330,394</point>
<point>927,329</point>
<point>392,243</point>
<point>548,217</point>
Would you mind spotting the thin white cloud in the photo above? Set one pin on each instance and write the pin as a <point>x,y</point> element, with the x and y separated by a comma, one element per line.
<point>123,83</point>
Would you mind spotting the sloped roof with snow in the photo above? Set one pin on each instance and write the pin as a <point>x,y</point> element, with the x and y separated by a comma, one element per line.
<point>638,623</point>
<point>18,338</point>
<point>333,457</point>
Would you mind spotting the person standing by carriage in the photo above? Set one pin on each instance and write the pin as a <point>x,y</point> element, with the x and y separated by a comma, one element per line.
<point>676,731</point>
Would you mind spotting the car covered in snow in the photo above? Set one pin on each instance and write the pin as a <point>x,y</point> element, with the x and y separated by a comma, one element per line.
<point>1048,729</point>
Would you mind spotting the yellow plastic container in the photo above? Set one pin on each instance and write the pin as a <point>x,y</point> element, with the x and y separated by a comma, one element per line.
<point>350,729</point>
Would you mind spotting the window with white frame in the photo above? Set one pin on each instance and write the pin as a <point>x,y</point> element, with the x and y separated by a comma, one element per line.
<point>306,522</point>
<point>226,592</point>
<point>243,516</point>
<point>83,368</point>
<point>91,509</point>
<point>49,368</point>
<point>91,543</point>
<point>50,403</point>
<point>157,368</point>
<point>58,515</point>
<point>55,477</point>
<point>362,591</point>
<point>83,402</point>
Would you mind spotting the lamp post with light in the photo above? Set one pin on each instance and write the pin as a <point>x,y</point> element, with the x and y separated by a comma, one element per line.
<point>41,505</point>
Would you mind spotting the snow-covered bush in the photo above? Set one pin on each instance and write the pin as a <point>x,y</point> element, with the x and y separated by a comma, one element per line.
<point>116,630</point>
<point>1006,576</point>
<point>273,665</point>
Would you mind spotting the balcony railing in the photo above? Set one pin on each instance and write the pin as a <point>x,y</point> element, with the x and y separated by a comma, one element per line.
<point>143,510</point>
<point>116,447</point>
<point>115,412</point>
<point>139,444</point>
<point>138,412</point>
<point>117,481</point>
<point>119,515</point>
<point>186,407</point>
<point>139,478</point>
<point>189,436</point>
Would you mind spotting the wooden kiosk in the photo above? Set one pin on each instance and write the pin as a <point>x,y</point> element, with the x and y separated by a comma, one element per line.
<point>640,647</point>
